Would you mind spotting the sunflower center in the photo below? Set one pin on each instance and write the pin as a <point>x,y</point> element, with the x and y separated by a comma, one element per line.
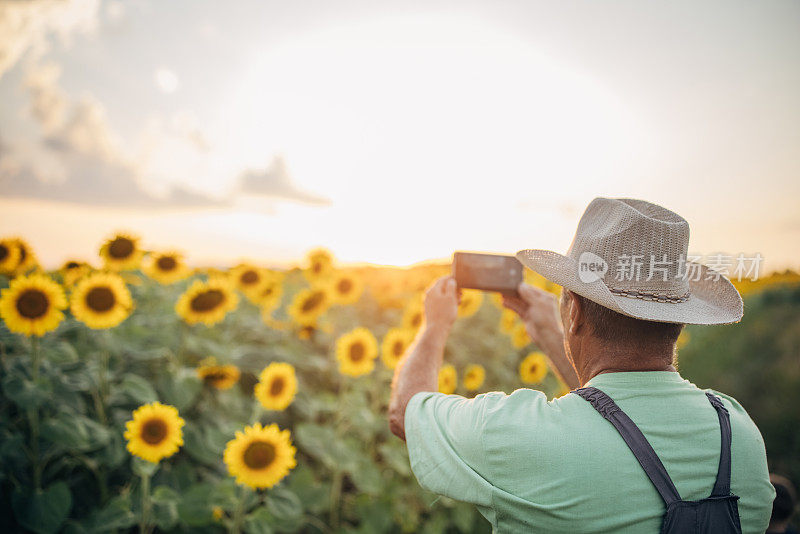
<point>259,455</point>
<point>207,300</point>
<point>313,301</point>
<point>416,320</point>
<point>534,368</point>
<point>100,299</point>
<point>23,253</point>
<point>166,263</point>
<point>154,431</point>
<point>357,352</point>
<point>121,247</point>
<point>345,286</point>
<point>3,252</point>
<point>72,265</point>
<point>32,304</point>
<point>249,277</point>
<point>277,386</point>
<point>316,267</point>
<point>397,348</point>
<point>215,376</point>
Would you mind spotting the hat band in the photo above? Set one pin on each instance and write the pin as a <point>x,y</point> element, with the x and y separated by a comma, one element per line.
<point>633,294</point>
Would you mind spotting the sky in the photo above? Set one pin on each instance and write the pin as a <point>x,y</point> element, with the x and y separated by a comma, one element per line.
<point>394,132</point>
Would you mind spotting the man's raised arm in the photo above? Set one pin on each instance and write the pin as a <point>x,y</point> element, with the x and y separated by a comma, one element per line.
<point>418,370</point>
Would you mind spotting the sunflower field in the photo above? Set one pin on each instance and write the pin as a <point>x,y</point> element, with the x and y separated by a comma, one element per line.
<point>142,394</point>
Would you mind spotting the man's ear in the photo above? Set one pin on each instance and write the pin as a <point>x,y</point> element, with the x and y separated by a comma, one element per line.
<point>576,313</point>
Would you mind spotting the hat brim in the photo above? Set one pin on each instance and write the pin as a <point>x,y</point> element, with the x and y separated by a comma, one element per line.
<point>711,301</point>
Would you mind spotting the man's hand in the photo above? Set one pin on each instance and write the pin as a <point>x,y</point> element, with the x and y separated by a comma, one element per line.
<point>538,310</point>
<point>441,304</point>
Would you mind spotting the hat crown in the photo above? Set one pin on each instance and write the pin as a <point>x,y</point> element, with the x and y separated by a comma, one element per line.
<point>644,246</point>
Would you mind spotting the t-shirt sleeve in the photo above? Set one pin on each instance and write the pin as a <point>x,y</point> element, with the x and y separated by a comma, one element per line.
<point>444,436</point>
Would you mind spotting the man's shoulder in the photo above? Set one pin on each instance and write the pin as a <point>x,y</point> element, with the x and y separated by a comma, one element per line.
<point>741,422</point>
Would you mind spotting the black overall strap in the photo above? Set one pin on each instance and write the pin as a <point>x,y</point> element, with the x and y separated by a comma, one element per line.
<point>635,440</point>
<point>722,487</point>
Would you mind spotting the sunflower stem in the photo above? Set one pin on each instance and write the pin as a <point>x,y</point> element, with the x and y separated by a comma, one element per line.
<point>336,494</point>
<point>144,526</point>
<point>33,415</point>
<point>236,527</point>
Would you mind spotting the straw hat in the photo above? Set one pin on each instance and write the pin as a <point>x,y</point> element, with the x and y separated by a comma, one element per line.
<point>631,256</point>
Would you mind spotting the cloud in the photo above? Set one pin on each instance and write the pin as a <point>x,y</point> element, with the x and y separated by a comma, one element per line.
<point>79,158</point>
<point>25,26</point>
<point>276,182</point>
<point>78,141</point>
<point>166,80</point>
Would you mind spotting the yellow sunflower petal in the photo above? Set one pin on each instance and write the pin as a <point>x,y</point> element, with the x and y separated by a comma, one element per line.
<point>277,386</point>
<point>356,352</point>
<point>260,457</point>
<point>155,432</point>
<point>32,305</point>
<point>101,300</point>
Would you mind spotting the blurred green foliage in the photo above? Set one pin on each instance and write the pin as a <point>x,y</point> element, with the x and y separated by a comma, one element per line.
<point>757,361</point>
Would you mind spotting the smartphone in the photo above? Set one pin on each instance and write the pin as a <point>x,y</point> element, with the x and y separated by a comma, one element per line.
<point>488,272</point>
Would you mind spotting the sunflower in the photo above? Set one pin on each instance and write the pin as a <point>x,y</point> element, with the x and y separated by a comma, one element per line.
<point>74,270</point>
<point>474,376</point>
<point>519,336</point>
<point>413,314</point>
<point>307,330</point>
<point>471,300</point>
<point>27,259</point>
<point>248,278</point>
<point>260,456</point>
<point>533,368</point>
<point>447,379</point>
<point>269,296</point>
<point>121,253</point>
<point>166,267</point>
<point>277,385</point>
<point>9,256</point>
<point>309,304</point>
<point>101,300</point>
<point>207,302</point>
<point>218,376</point>
<point>394,345</point>
<point>346,288</point>
<point>320,265</point>
<point>508,320</point>
<point>32,305</point>
<point>154,432</point>
<point>356,352</point>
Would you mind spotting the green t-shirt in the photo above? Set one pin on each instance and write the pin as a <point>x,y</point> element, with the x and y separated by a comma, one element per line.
<point>533,465</point>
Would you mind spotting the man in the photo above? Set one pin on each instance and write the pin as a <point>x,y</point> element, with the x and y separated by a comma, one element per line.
<point>530,465</point>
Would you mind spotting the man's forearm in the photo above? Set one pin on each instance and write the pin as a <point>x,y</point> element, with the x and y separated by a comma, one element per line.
<point>553,347</point>
<point>417,371</point>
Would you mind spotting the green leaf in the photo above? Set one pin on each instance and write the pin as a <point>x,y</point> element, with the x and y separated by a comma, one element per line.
<point>115,515</point>
<point>180,391</point>
<point>75,432</point>
<point>138,389</point>
<point>283,504</point>
<point>258,521</point>
<point>43,511</point>
<point>24,393</point>
<point>165,507</point>
<point>195,508</point>
<point>314,495</point>
<point>366,476</point>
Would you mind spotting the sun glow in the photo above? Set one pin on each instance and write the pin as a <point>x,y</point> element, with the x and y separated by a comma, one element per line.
<point>392,118</point>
